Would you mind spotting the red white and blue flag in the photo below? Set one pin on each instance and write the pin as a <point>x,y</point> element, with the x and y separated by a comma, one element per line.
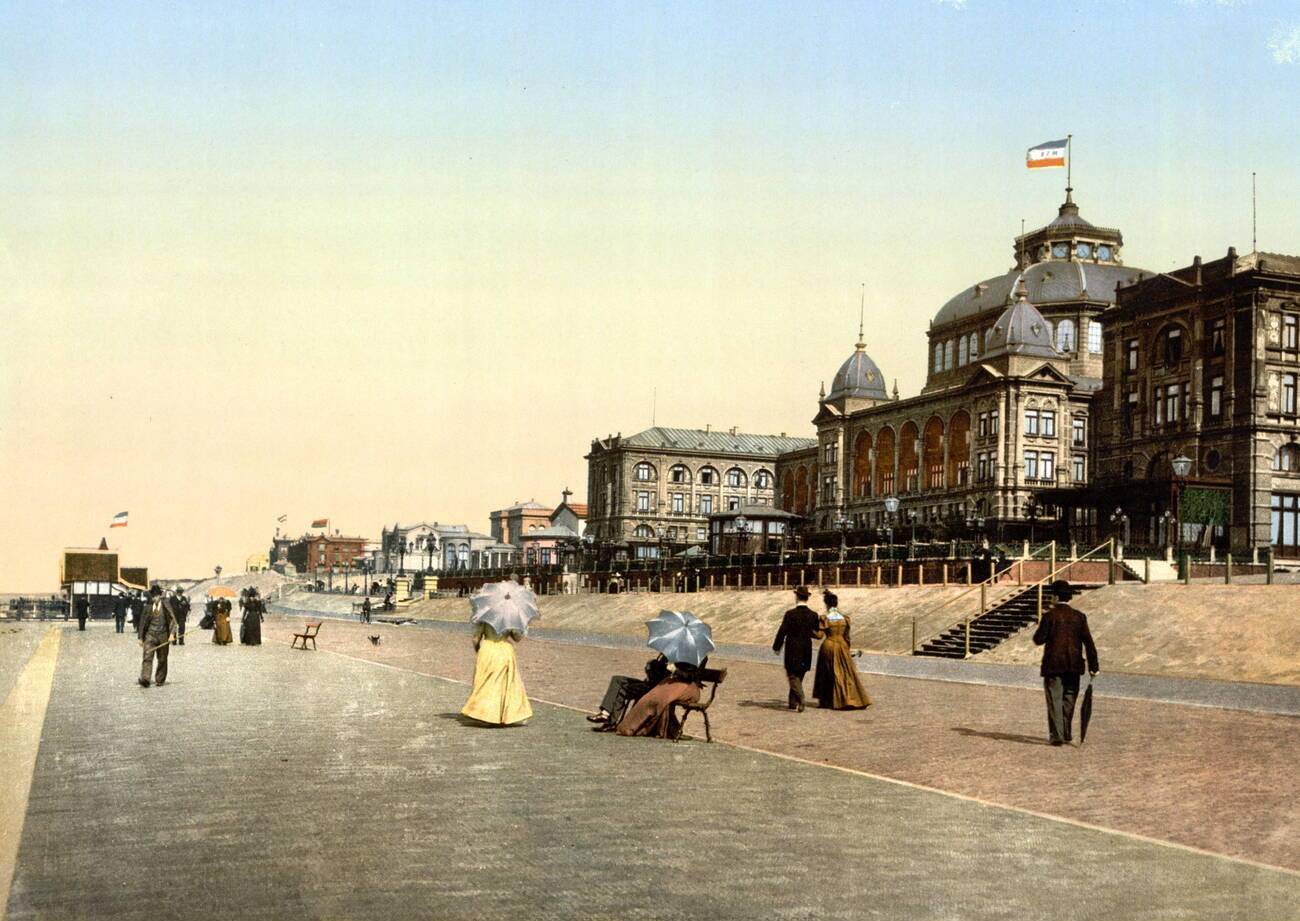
<point>1048,153</point>
<point>119,520</point>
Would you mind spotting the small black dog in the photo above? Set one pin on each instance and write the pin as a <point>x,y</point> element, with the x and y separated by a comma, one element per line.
<point>375,639</point>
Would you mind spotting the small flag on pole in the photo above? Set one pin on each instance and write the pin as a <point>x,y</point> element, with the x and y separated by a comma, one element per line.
<point>282,519</point>
<point>321,523</point>
<point>119,520</point>
<point>1048,153</point>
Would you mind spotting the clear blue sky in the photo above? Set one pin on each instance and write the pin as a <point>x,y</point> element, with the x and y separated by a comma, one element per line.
<point>486,232</point>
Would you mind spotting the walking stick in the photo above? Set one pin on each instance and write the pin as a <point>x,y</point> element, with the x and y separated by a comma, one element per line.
<point>165,642</point>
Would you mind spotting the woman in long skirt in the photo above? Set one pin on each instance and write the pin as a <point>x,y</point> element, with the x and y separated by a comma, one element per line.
<point>498,696</point>
<point>221,625</point>
<point>652,714</point>
<point>250,628</point>
<point>836,684</point>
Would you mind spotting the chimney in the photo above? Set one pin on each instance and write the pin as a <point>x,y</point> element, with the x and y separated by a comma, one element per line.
<point>708,426</point>
<point>1196,269</point>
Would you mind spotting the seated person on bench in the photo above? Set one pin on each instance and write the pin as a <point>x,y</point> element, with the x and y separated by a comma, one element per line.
<point>652,714</point>
<point>623,691</point>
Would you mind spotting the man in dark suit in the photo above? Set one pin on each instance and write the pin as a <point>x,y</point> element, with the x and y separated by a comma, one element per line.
<point>181,608</point>
<point>158,624</point>
<point>798,629</point>
<point>1064,636</point>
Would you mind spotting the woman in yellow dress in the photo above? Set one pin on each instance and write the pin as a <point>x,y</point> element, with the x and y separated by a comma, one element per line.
<point>498,696</point>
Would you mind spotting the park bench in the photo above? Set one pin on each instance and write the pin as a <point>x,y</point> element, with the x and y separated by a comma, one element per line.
<point>309,633</point>
<point>712,677</point>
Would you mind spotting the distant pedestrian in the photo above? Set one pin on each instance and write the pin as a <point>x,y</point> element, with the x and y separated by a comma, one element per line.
<point>1064,636</point>
<point>221,623</point>
<point>82,611</point>
<point>365,610</point>
<point>119,613</point>
<point>798,629</point>
<point>181,605</point>
<point>250,627</point>
<point>157,623</point>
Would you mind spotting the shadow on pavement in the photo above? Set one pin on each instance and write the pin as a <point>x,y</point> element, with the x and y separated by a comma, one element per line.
<point>473,723</point>
<point>766,704</point>
<point>1000,736</point>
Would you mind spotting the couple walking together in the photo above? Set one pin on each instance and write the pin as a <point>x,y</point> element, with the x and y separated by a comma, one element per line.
<point>836,684</point>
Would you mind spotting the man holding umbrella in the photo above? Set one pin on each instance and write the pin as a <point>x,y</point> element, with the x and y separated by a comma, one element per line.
<point>798,629</point>
<point>1064,636</point>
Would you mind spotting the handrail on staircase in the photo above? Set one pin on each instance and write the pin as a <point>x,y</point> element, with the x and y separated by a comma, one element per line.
<point>982,588</point>
<point>1052,572</point>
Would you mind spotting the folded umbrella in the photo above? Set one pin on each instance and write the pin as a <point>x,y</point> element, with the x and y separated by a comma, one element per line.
<point>504,606</point>
<point>681,637</point>
<point>1085,711</point>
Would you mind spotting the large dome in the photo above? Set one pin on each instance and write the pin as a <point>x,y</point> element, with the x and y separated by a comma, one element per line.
<point>1066,261</point>
<point>858,377</point>
<point>1054,281</point>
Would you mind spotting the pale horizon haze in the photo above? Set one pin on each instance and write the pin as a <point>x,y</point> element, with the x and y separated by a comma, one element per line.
<point>400,261</point>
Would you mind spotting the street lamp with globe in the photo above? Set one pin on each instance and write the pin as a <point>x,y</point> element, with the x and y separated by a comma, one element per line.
<point>842,523</point>
<point>891,513</point>
<point>1182,465</point>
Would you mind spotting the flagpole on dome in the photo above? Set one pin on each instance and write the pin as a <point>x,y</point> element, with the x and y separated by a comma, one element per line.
<point>1069,167</point>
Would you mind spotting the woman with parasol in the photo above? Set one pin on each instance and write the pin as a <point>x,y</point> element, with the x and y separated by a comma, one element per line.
<point>501,612</point>
<point>685,641</point>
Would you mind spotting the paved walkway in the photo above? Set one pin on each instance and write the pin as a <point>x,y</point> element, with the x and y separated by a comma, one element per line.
<point>273,783</point>
<point>1198,692</point>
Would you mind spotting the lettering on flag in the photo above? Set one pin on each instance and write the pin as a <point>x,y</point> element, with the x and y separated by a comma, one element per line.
<point>1047,154</point>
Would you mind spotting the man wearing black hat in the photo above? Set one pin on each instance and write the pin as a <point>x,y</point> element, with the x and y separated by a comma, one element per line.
<point>798,629</point>
<point>157,625</point>
<point>1064,636</point>
<point>181,608</point>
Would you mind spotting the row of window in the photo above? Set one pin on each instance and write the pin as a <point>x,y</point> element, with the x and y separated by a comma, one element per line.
<point>645,472</point>
<point>678,503</point>
<point>645,532</point>
<point>967,348</point>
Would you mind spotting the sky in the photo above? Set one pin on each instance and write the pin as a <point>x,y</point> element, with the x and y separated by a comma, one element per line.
<point>405,261</point>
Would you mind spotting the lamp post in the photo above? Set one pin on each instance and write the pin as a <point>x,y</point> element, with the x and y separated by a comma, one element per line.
<point>891,511</point>
<point>401,554</point>
<point>911,520</point>
<point>1119,522</point>
<point>1182,465</point>
<point>1166,525</point>
<point>1031,512</point>
<point>842,523</point>
<point>659,534</point>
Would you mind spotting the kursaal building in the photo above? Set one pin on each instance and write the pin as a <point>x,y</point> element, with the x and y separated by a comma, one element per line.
<point>1082,397</point>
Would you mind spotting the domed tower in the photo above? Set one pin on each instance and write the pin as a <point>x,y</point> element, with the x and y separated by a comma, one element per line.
<point>1021,338</point>
<point>1070,269</point>
<point>858,383</point>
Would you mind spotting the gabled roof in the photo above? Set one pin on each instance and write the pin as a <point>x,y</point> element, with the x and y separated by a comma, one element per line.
<point>715,442</point>
<point>554,531</point>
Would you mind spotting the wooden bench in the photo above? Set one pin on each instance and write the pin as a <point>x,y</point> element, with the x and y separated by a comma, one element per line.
<point>308,633</point>
<point>712,677</point>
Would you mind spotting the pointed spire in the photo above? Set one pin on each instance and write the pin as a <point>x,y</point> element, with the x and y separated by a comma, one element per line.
<point>862,315</point>
<point>103,543</point>
<point>822,395</point>
<point>895,388</point>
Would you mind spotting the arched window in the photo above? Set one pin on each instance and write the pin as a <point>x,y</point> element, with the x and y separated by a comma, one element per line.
<point>962,345</point>
<point>462,556</point>
<point>735,477</point>
<point>763,479</point>
<point>1094,337</point>
<point>938,356</point>
<point>1065,336</point>
<point>644,472</point>
<point>679,474</point>
<point>974,346</point>
<point>708,476</point>
<point>947,355</point>
<point>643,532</point>
<point>787,492</point>
<point>1287,459</point>
<point>862,464</point>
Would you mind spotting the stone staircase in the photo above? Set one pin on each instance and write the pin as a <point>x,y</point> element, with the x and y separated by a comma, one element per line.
<point>1161,570</point>
<point>989,629</point>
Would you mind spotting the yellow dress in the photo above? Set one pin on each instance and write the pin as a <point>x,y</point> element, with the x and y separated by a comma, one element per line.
<point>498,695</point>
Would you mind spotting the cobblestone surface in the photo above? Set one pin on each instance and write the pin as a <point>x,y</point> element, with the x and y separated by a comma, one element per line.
<point>273,783</point>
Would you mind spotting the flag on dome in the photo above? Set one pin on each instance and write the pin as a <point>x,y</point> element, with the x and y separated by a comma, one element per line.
<point>1048,153</point>
<point>119,520</point>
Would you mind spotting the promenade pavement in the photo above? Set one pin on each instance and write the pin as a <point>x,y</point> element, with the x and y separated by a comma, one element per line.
<point>274,783</point>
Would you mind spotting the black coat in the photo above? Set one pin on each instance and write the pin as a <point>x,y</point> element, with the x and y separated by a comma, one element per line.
<point>1064,636</point>
<point>799,628</point>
